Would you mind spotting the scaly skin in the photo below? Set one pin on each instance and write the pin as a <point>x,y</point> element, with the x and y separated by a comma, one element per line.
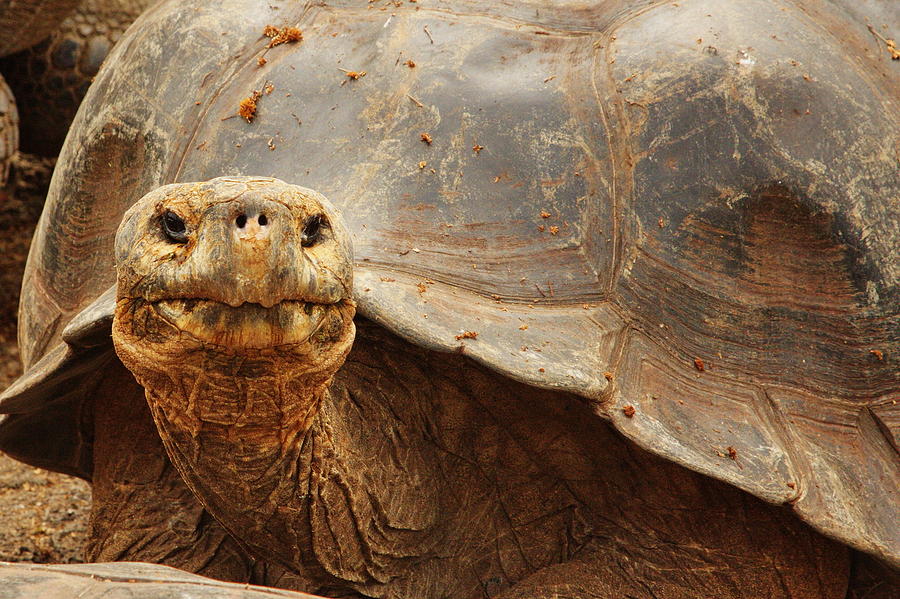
<point>141,509</point>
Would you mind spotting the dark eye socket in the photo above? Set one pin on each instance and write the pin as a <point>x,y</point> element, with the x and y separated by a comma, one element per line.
<point>312,230</point>
<point>174,227</point>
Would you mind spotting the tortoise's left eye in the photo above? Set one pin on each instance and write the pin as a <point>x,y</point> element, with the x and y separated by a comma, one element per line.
<point>174,227</point>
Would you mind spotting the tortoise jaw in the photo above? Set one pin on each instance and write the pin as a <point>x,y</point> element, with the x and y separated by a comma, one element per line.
<point>248,326</point>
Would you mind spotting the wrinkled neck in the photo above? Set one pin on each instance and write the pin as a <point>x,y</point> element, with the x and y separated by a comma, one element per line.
<point>236,422</point>
<point>236,429</point>
<point>262,403</point>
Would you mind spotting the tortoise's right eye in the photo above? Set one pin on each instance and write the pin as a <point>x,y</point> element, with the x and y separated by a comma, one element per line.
<point>174,227</point>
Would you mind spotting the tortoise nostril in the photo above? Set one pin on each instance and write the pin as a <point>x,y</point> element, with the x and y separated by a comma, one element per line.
<point>262,220</point>
<point>241,221</point>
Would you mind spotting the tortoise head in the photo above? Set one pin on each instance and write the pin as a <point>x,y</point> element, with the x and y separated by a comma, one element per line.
<point>236,267</point>
<point>233,311</point>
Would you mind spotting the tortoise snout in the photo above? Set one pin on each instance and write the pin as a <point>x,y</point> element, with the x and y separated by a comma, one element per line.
<point>250,251</point>
<point>235,240</point>
<point>253,223</point>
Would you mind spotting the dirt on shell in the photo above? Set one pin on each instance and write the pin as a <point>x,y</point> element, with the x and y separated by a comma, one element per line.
<point>43,515</point>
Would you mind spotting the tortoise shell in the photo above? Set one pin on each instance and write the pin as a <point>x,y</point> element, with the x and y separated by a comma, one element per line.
<point>687,214</point>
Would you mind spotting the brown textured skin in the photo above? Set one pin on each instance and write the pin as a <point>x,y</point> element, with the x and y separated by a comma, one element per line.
<point>131,522</point>
<point>50,78</point>
<point>141,510</point>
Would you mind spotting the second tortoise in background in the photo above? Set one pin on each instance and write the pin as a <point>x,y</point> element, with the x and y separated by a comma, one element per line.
<point>51,50</point>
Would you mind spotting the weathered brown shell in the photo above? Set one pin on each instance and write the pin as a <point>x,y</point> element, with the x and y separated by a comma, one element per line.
<point>685,213</point>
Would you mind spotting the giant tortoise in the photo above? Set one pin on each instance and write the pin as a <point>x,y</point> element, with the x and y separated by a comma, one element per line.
<point>626,283</point>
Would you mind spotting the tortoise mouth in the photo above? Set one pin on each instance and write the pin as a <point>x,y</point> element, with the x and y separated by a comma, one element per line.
<point>249,325</point>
